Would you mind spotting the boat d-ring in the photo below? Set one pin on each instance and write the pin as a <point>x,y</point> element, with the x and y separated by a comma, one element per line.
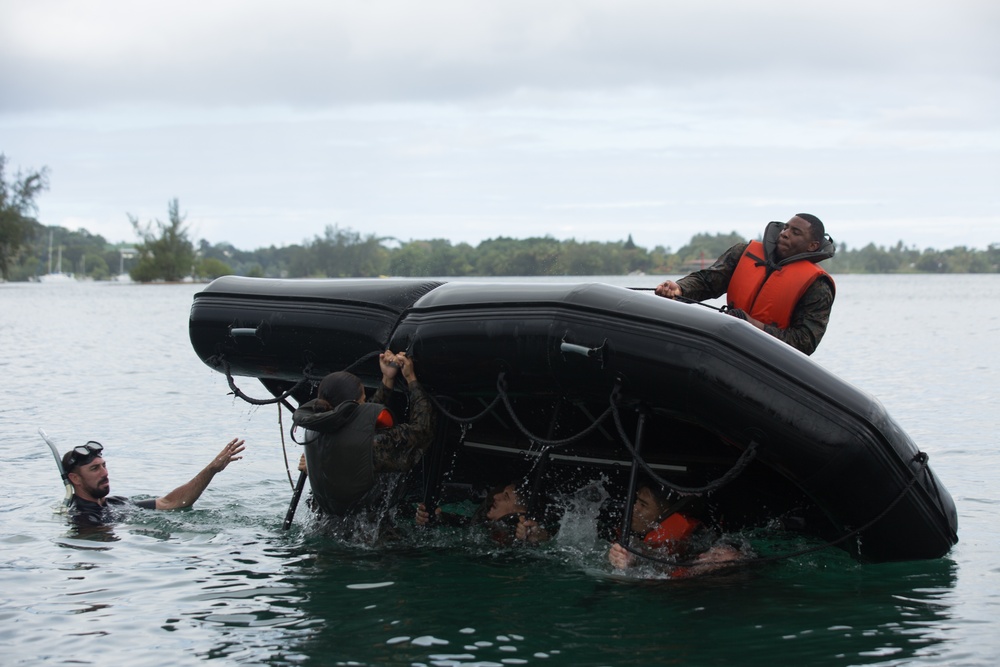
<point>259,332</point>
<point>597,353</point>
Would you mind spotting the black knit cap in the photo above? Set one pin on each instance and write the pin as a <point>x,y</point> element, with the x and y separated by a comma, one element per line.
<point>339,387</point>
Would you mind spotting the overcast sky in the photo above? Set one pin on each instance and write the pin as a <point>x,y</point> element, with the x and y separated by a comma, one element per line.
<point>470,120</point>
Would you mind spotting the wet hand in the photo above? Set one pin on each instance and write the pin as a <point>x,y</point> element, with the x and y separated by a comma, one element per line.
<point>525,528</point>
<point>423,517</point>
<point>619,557</point>
<point>228,454</point>
<point>406,367</point>
<point>389,365</point>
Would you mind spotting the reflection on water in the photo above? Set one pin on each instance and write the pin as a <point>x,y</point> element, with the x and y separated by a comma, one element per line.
<point>222,581</point>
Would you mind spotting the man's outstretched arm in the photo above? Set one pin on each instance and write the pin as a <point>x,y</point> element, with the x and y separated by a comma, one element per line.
<point>186,494</point>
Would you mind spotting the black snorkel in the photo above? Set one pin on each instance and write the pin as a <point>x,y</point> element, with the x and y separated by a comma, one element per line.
<point>62,473</point>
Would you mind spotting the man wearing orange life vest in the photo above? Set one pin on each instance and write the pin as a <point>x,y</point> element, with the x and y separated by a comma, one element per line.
<point>660,525</point>
<point>665,527</point>
<point>776,285</point>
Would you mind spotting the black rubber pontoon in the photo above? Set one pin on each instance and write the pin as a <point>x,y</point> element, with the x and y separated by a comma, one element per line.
<point>568,369</point>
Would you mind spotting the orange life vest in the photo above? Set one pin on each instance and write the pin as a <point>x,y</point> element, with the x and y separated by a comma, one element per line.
<point>675,528</point>
<point>770,298</point>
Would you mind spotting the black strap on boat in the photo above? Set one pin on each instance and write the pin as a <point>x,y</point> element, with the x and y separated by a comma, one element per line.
<point>682,299</point>
<point>920,457</point>
<point>464,420</point>
<point>503,395</point>
<point>307,376</point>
<point>502,389</point>
<point>220,360</point>
<point>741,463</point>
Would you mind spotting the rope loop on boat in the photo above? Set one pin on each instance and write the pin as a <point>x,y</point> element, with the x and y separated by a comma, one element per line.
<point>503,395</point>
<point>502,389</point>
<point>920,458</point>
<point>464,420</point>
<point>307,376</point>
<point>741,463</point>
<point>220,360</point>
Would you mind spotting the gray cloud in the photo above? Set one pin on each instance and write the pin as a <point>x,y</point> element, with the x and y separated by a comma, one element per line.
<point>73,55</point>
<point>466,120</point>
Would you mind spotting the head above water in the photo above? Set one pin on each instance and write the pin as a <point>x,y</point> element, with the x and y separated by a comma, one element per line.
<point>87,472</point>
<point>803,233</point>
<point>651,502</point>
<point>815,225</point>
<point>82,455</point>
<point>339,387</point>
<point>506,501</point>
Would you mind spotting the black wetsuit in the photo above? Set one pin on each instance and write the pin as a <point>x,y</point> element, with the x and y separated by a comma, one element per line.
<point>87,513</point>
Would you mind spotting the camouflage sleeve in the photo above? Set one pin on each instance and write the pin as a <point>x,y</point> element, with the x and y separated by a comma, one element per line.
<point>381,394</point>
<point>809,319</point>
<point>400,448</point>
<point>714,281</point>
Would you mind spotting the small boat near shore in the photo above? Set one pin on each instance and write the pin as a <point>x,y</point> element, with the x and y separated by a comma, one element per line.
<point>579,381</point>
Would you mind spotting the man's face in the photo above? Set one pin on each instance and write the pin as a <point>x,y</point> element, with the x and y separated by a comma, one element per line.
<point>91,480</point>
<point>795,239</point>
<point>645,511</point>
<point>504,502</point>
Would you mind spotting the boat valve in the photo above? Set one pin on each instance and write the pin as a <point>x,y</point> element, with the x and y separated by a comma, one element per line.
<point>249,332</point>
<point>589,352</point>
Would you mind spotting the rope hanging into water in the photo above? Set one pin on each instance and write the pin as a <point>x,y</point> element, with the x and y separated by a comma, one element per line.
<point>284,452</point>
<point>920,458</point>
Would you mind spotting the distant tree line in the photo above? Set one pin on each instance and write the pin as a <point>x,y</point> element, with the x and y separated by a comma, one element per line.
<point>164,251</point>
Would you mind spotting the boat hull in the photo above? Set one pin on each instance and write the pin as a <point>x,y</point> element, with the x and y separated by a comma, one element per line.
<point>703,386</point>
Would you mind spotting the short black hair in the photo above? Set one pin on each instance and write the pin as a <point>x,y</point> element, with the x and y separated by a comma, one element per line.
<point>815,225</point>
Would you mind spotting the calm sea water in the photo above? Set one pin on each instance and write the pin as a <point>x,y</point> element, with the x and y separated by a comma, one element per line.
<point>223,583</point>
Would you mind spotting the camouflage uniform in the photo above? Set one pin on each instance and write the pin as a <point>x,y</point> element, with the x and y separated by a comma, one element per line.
<point>809,318</point>
<point>400,448</point>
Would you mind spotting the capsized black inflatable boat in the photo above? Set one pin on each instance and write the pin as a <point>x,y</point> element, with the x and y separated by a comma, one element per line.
<point>585,380</point>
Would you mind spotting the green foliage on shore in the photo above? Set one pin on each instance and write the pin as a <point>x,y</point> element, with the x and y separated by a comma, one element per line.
<point>17,202</point>
<point>166,253</point>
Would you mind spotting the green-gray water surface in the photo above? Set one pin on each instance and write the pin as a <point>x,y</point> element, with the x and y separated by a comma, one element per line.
<point>222,582</point>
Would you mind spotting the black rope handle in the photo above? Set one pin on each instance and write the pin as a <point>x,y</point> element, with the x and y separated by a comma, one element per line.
<point>464,420</point>
<point>307,376</point>
<point>220,360</point>
<point>741,463</point>
<point>503,395</point>
<point>502,389</point>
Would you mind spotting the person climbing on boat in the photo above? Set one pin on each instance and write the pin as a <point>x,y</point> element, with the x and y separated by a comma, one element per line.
<point>776,285</point>
<point>353,445</point>
<point>671,528</point>
<point>91,504</point>
<point>503,512</point>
